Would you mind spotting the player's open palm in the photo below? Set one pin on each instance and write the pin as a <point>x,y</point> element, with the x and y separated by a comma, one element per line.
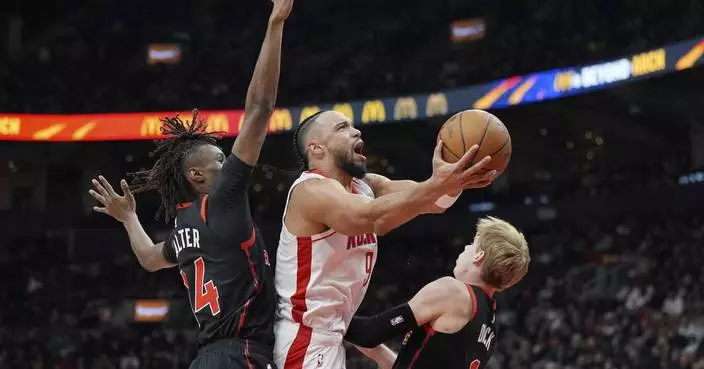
<point>462,174</point>
<point>120,207</point>
<point>282,8</point>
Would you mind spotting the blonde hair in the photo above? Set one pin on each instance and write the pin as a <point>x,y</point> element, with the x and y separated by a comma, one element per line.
<point>506,255</point>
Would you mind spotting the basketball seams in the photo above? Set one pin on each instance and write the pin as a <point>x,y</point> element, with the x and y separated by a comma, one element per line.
<point>450,151</point>
<point>444,145</point>
<point>464,145</point>
<point>486,129</point>
<point>508,139</point>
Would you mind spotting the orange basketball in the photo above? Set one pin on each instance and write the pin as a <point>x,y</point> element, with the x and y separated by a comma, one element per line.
<point>476,127</point>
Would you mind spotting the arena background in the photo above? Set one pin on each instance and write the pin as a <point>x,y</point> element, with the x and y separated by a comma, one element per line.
<point>603,100</point>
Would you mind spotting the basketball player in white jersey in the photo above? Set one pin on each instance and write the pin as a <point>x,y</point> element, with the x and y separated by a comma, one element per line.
<point>328,243</point>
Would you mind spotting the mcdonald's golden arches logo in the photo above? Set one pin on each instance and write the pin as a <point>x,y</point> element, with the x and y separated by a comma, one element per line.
<point>405,108</point>
<point>218,123</point>
<point>373,111</point>
<point>281,120</point>
<point>437,105</point>
<point>151,126</point>
<point>307,111</point>
<point>345,109</point>
<point>10,126</point>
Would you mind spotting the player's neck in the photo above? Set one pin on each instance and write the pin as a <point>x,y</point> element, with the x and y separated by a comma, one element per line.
<point>330,170</point>
<point>476,280</point>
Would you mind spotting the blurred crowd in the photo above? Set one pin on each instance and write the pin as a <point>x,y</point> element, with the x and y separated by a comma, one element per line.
<point>94,59</point>
<point>618,295</point>
<point>623,293</point>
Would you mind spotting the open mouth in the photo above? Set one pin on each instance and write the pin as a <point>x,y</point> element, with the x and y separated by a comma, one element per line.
<point>358,149</point>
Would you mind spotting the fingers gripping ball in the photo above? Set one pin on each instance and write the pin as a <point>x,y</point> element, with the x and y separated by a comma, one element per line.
<point>471,127</point>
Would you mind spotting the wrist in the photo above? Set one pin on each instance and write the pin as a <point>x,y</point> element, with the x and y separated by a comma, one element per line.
<point>130,220</point>
<point>434,186</point>
<point>276,21</point>
<point>446,201</point>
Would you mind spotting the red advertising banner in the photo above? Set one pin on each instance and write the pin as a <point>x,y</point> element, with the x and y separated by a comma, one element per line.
<point>105,127</point>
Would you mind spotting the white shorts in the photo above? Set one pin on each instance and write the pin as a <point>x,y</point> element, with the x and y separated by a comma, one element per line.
<point>300,347</point>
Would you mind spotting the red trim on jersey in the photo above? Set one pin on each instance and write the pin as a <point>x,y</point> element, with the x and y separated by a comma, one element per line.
<point>243,316</point>
<point>490,294</point>
<point>303,271</point>
<point>474,301</point>
<point>246,245</point>
<point>297,352</point>
<point>246,354</point>
<point>202,208</point>
<point>429,332</point>
<point>324,237</point>
<point>316,171</point>
<point>184,205</point>
<point>487,292</point>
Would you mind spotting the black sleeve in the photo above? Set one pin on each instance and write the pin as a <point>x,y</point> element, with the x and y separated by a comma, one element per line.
<point>167,250</point>
<point>230,187</point>
<point>228,203</point>
<point>371,332</point>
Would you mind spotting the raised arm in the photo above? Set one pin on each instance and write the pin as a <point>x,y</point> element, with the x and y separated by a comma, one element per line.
<point>151,256</point>
<point>230,188</point>
<point>327,202</point>
<point>261,94</point>
<point>383,186</point>
<point>445,296</point>
<point>469,178</point>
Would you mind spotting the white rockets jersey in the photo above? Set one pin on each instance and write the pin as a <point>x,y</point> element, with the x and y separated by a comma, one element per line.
<point>321,280</point>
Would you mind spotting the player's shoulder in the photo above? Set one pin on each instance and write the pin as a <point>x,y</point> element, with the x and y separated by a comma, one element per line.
<point>373,179</point>
<point>452,288</point>
<point>317,186</point>
<point>455,294</point>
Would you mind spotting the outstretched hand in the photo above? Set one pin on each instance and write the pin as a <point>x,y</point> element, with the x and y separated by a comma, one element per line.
<point>462,174</point>
<point>120,207</point>
<point>282,8</point>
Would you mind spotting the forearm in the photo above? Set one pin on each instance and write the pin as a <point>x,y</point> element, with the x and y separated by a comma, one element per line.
<point>382,356</point>
<point>261,94</point>
<point>148,254</point>
<point>383,186</point>
<point>263,88</point>
<point>372,331</point>
<point>390,211</point>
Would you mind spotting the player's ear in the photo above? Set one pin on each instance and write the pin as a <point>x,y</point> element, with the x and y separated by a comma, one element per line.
<point>316,149</point>
<point>196,175</point>
<point>478,256</point>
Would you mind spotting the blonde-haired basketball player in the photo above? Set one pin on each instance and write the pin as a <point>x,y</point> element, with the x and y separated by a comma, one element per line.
<point>328,243</point>
<point>451,320</point>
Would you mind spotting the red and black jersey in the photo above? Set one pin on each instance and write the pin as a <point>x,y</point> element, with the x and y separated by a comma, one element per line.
<point>469,348</point>
<point>224,262</point>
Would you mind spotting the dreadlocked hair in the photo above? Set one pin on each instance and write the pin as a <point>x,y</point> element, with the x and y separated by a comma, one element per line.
<point>298,144</point>
<point>167,176</point>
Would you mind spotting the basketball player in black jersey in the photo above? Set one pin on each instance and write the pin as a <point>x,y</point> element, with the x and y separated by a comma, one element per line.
<point>450,323</point>
<point>219,252</point>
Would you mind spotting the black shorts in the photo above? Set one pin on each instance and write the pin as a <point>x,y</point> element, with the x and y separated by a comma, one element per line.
<point>233,354</point>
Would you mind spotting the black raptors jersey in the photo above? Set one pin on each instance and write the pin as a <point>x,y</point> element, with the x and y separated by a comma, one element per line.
<point>469,348</point>
<point>224,263</point>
